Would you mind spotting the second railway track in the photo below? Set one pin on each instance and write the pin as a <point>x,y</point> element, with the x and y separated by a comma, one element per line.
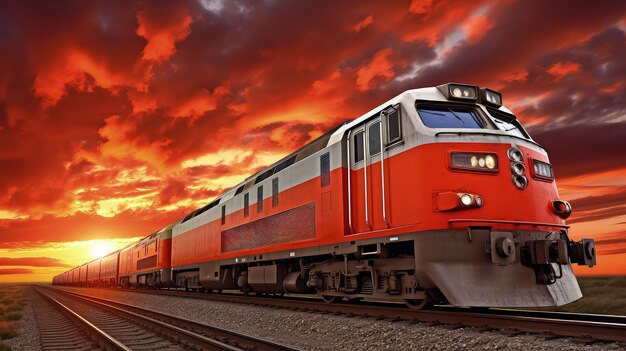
<point>582,327</point>
<point>117,326</point>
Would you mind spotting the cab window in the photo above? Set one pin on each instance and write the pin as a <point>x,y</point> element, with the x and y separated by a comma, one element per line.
<point>394,130</point>
<point>449,117</point>
<point>373,137</point>
<point>358,147</point>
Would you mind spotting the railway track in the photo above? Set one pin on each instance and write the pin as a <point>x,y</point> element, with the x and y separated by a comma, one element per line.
<point>59,331</point>
<point>117,326</point>
<point>583,327</point>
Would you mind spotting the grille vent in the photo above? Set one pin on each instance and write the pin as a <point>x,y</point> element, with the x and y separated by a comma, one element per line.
<point>325,169</point>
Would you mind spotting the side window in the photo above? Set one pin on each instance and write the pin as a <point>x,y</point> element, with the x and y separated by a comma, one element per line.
<point>275,192</point>
<point>394,129</point>
<point>373,137</point>
<point>259,199</point>
<point>358,146</point>
<point>246,204</point>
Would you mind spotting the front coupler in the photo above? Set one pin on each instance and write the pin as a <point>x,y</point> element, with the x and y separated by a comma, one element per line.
<point>540,254</point>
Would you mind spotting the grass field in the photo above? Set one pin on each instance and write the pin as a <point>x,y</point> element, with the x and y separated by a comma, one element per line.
<point>601,295</point>
<point>11,305</point>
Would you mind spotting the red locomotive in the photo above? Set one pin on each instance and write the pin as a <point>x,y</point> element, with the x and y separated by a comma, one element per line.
<point>463,209</point>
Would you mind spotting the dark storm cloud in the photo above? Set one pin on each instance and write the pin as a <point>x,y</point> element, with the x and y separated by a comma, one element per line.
<point>576,150</point>
<point>521,32</point>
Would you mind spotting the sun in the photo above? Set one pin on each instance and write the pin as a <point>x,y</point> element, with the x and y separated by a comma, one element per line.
<point>100,249</point>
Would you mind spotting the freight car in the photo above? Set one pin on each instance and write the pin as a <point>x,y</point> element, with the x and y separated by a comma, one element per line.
<point>147,263</point>
<point>93,272</point>
<point>439,195</point>
<point>108,270</point>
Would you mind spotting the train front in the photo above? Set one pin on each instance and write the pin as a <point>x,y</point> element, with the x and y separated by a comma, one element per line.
<point>506,242</point>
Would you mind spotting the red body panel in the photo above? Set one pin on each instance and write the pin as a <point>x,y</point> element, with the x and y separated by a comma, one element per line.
<point>82,274</point>
<point>93,272</point>
<point>146,258</point>
<point>411,178</point>
<point>109,267</point>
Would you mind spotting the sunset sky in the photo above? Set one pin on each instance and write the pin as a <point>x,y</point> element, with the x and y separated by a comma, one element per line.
<point>118,118</point>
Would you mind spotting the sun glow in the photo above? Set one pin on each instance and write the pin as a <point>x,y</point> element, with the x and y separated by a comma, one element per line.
<point>99,249</point>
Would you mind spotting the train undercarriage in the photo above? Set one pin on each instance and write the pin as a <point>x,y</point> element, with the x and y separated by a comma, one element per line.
<point>475,267</point>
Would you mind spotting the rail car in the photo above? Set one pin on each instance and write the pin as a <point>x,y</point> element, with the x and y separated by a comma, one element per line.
<point>438,195</point>
<point>147,263</point>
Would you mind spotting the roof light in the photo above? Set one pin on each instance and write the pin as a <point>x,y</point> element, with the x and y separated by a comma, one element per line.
<point>490,97</point>
<point>453,91</point>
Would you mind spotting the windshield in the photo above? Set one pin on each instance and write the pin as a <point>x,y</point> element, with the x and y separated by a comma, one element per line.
<point>449,117</point>
<point>507,122</point>
<point>509,128</point>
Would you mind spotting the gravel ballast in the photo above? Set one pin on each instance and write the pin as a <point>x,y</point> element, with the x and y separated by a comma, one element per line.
<point>316,331</point>
<point>28,337</point>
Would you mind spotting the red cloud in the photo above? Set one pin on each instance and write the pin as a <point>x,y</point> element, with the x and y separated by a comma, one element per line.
<point>380,66</point>
<point>366,22</point>
<point>562,69</point>
<point>162,24</point>
<point>11,271</point>
<point>32,261</point>
<point>476,27</point>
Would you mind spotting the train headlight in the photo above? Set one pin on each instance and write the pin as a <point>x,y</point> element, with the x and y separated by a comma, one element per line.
<point>490,97</point>
<point>520,181</point>
<point>475,161</point>
<point>517,168</point>
<point>542,170</point>
<point>466,199</point>
<point>479,200</point>
<point>490,162</point>
<point>453,201</point>
<point>453,91</point>
<point>515,154</point>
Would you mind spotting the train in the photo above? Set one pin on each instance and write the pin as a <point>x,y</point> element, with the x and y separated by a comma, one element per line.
<point>437,196</point>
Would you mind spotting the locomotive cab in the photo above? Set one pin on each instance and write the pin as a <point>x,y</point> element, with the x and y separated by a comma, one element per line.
<point>495,201</point>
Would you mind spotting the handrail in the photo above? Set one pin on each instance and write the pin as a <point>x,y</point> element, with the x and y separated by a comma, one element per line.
<point>382,168</point>
<point>349,184</point>
<point>367,221</point>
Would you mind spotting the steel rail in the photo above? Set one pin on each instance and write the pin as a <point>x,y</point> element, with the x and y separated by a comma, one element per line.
<point>584,326</point>
<point>105,340</point>
<point>199,334</point>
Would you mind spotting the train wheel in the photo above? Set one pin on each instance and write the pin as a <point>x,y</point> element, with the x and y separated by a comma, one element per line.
<point>331,299</point>
<point>417,304</point>
<point>355,299</point>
